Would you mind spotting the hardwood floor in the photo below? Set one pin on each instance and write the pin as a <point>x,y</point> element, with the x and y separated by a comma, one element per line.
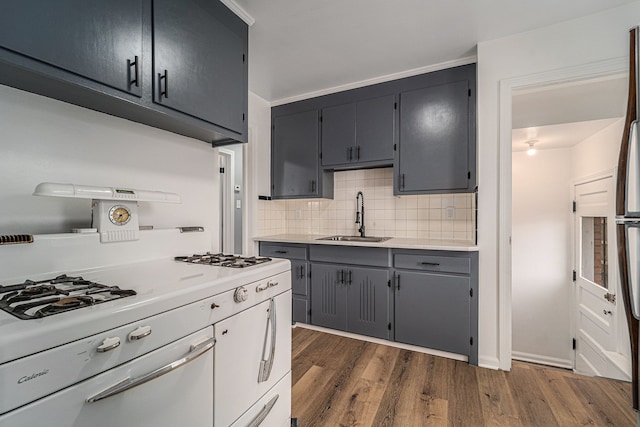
<point>341,381</point>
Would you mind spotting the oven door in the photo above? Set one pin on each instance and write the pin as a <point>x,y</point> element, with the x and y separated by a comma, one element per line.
<point>170,386</point>
<point>253,353</point>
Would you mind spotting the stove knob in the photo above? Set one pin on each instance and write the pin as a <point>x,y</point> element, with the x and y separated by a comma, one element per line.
<point>241,294</point>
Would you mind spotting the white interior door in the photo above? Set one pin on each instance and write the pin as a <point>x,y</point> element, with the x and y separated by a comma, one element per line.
<point>600,317</point>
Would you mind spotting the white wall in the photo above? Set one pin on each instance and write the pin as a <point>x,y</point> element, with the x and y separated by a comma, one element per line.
<point>599,152</point>
<point>541,251</point>
<point>42,139</point>
<point>573,43</point>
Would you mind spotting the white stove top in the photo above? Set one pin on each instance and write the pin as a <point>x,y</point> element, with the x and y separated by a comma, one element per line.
<point>161,284</point>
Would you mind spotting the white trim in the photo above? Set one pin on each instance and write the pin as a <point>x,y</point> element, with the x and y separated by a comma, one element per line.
<point>238,10</point>
<point>389,77</point>
<point>542,360</point>
<point>586,71</point>
<point>488,362</point>
<point>410,347</point>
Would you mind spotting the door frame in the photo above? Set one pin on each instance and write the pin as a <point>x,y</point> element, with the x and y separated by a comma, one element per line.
<point>608,68</point>
<point>227,229</point>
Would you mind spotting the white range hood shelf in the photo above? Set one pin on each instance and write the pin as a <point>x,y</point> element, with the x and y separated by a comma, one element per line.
<point>53,189</point>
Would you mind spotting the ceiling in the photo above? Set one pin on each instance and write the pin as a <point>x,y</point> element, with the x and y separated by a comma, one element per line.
<point>563,115</point>
<point>302,46</point>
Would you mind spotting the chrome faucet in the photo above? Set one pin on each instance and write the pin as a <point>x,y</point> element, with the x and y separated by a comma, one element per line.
<point>360,213</point>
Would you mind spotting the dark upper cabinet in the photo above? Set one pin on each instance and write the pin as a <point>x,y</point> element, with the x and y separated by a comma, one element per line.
<point>434,139</point>
<point>295,165</point>
<point>178,66</point>
<point>359,134</point>
<point>199,59</point>
<point>101,41</point>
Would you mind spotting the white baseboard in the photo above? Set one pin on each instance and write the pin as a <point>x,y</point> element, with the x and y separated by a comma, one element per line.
<point>542,360</point>
<point>410,347</point>
<point>489,362</point>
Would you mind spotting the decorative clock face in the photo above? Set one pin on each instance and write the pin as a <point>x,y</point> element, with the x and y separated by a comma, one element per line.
<point>119,215</point>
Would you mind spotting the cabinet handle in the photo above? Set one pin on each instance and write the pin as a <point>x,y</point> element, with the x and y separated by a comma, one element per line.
<point>402,181</point>
<point>341,278</point>
<point>349,153</point>
<point>134,82</point>
<point>302,271</point>
<point>349,277</point>
<point>358,152</point>
<point>433,264</point>
<point>397,281</point>
<point>281,252</point>
<point>163,77</point>
<point>313,186</point>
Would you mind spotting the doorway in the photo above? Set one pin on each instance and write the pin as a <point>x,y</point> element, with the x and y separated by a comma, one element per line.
<point>569,136</point>
<point>231,199</point>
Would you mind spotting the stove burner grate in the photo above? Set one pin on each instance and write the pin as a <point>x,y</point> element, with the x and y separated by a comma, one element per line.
<point>37,299</point>
<point>223,260</point>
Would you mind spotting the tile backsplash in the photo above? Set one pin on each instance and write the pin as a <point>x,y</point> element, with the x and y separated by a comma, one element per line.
<point>440,216</point>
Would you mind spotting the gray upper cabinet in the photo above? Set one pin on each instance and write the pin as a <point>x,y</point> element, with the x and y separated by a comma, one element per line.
<point>359,134</point>
<point>106,48</point>
<point>178,66</point>
<point>436,148</point>
<point>200,63</point>
<point>295,171</point>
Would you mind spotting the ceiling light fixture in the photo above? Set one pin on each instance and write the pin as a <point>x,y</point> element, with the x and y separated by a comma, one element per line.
<point>532,149</point>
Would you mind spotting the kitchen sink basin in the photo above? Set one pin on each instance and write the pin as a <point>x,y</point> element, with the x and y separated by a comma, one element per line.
<point>371,239</point>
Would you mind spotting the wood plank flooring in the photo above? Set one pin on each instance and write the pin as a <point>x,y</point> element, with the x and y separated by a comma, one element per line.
<point>341,381</point>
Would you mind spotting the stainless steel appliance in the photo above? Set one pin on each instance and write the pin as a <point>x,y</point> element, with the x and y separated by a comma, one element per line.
<point>628,211</point>
<point>137,338</point>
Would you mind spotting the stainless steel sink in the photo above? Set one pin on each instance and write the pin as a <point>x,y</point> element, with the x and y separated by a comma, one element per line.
<point>371,239</point>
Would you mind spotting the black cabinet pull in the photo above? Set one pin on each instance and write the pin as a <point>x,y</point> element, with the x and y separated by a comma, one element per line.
<point>163,78</point>
<point>302,271</point>
<point>350,153</point>
<point>397,281</point>
<point>341,279</point>
<point>434,264</point>
<point>281,252</point>
<point>313,186</point>
<point>134,81</point>
<point>350,277</point>
<point>358,152</point>
<point>401,180</point>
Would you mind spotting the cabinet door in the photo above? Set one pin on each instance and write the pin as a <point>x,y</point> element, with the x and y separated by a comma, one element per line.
<point>375,128</point>
<point>368,296</point>
<point>299,277</point>
<point>294,155</point>
<point>199,56</point>
<point>328,296</point>
<point>432,310</point>
<point>338,134</point>
<point>300,309</point>
<point>99,40</point>
<point>434,139</point>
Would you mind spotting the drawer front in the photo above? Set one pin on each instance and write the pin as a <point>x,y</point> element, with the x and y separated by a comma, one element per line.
<point>278,250</point>
<point>439,263</point>
<point>356,255</point>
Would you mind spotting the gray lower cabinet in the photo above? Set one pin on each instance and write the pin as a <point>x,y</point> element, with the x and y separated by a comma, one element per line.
<point>436,300</point>
<point>297,255</point>
<point>432,310</point>
<point>352,299</point>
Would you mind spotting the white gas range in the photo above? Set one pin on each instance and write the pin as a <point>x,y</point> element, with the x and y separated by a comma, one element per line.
<point>163,343</point>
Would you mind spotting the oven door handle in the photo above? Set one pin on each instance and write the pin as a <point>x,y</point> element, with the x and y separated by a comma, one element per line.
<point>128,383</point>
<point>267,364</point>
<point>264,412</point>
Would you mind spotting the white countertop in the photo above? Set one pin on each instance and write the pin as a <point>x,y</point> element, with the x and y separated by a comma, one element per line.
<point>393,243</point>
